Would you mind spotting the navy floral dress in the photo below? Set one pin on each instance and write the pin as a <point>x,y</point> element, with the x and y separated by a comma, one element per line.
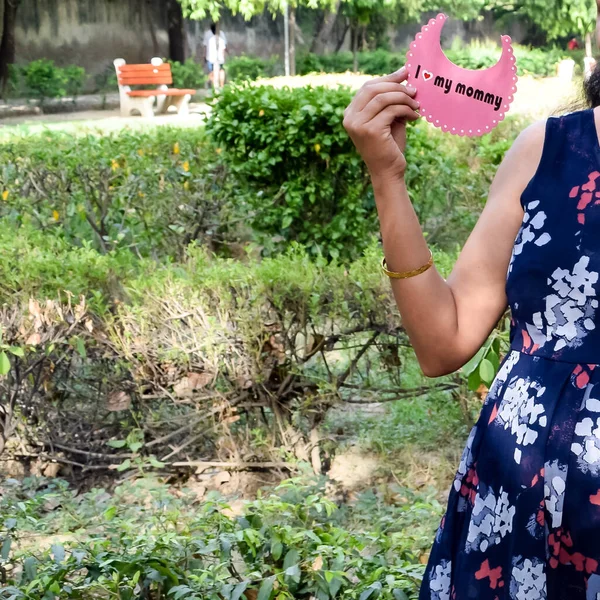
<point>523,518</point>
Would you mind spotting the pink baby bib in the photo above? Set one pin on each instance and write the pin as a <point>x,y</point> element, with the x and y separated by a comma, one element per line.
<point>460,101</point>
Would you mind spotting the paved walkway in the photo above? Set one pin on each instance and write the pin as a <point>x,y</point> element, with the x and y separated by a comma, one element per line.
<point>105,119</point>
<point>535,98</point>
<point>98,109</point>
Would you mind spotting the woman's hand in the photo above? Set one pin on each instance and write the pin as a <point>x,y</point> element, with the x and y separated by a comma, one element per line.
<point>376,122</point>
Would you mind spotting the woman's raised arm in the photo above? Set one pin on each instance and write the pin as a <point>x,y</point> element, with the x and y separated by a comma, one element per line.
<point>447,320</point>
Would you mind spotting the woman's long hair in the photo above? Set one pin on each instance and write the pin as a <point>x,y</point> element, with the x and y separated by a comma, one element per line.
<point>591,88</point>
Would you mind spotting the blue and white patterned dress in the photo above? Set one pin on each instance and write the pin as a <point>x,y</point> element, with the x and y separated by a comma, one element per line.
<point>523,518</point>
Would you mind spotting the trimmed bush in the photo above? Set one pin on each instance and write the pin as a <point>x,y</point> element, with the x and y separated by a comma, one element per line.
<point>45,80</point>
<point>299,173</point>
<point>189,75</point>
<point>151,191</point>
<point>304,180</point>
<point>530,61</point>
<point>249,68</point>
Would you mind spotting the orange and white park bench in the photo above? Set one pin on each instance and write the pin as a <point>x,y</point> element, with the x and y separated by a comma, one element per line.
<point>157,73</point>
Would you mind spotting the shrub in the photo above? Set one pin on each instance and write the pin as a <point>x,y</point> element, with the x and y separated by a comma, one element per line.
<point>305,181</point>
<point>293,543</point>
<point>380,62</point>
<point>189,75</point>
<point>75,78</point>
<point>15,83</point>
<point>45,80</point>
<point>530,61</point>
<point>299,172</point>
<point>153,191</point>
<point>325,63</point>
<point>180,347</point>
<point>247,68</point>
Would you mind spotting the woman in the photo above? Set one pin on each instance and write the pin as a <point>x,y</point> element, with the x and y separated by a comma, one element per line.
<point>523,519</point>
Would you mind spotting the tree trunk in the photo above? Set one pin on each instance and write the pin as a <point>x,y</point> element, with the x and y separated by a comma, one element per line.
<point>7,45</point>
<point>340,41</point>
<point>152,28</point>
<point>292,23</point>
<point>354,46</point>
<point>324,34</point>
<point>176,31</point>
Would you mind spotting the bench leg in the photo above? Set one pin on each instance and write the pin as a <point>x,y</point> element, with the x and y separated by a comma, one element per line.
<point>147,107</point>
<point>182,103</point>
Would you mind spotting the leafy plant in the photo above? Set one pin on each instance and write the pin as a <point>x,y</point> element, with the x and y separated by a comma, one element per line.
<point>105,192</point>
<point>541,62</point>
<point>243,68</point>
<point>483,367</point>
<point>305,181</point>
<point>188,75</point>
<point>45,80</point>
<point>75,78</point>
<point>292,543</point>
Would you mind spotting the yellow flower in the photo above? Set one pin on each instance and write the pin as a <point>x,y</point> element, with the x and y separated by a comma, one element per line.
<point>186,166</point>
<point>261,113</point>
<point>317,148</point>
<point>176,148</point>
<point>114,165</point>
<point>141,152</point>
<point>219,150</point>
<point>5,195</point>
<point>141,194</point>
<point>186,185</point>
<point>55,215</point>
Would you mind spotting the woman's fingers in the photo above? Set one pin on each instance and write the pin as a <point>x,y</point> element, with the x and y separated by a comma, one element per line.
<point>371,90</point>
<point>382,101</point>
<point>387,116</point>
<point>398,76</point>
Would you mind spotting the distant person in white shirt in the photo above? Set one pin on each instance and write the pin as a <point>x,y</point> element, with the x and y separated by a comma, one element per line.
<point>215,54</point>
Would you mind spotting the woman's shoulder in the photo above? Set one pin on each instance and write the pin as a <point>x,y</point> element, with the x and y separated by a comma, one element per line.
<point>536,134</point>
<point>531,139</point>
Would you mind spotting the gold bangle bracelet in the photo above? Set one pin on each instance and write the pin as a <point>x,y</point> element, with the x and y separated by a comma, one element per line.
<point>407,274</point>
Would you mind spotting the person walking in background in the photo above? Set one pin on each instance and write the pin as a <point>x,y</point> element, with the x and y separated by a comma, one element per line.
<point>215,48</point>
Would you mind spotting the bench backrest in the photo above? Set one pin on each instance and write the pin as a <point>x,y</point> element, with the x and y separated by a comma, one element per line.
<point>157,73</point>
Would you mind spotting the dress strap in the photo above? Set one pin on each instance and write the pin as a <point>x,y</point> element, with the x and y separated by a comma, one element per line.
<point>569,138</point>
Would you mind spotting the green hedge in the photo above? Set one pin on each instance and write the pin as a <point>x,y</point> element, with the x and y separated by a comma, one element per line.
<point>296,165</point>
<point>249,68</point>
<point>276,167</point>
<point>298,171</point>
<point>43,79</point>
<point>152,191</point>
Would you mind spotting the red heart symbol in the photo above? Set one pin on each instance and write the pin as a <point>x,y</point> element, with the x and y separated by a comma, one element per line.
<point>427,75</point>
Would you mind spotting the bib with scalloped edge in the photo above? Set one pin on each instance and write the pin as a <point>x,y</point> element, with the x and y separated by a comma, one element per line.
<point>460,101</point>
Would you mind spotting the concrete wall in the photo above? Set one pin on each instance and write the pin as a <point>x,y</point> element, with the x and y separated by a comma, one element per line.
<point>90,33</point>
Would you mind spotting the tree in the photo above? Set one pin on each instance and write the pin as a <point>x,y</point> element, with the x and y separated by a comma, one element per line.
<point>200,9</point>
<point>323,33</point>
<point>176,31</point>
<point>555,18</point>
<point>7,45</point>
